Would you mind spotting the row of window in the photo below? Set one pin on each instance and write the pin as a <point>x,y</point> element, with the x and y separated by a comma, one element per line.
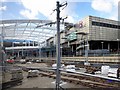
<point>105,25</point>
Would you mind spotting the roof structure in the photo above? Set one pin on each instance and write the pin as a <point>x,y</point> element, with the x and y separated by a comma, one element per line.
<point>27,30</point>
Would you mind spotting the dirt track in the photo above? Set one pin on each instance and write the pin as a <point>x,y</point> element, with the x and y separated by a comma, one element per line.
<point>42,82</point>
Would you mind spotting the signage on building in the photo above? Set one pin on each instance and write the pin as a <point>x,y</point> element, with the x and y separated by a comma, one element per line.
<point>80,24</point>
<point>72,36</point>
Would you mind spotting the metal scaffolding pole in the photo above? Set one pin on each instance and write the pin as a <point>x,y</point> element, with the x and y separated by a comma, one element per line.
<point>13,49</point>
<point>2,56</point>
<point>2,38</point>
<point>86,48</point>
<point>39,51</point>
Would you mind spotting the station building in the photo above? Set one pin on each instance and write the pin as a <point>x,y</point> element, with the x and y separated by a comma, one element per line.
<point>98,35</point>
<point>95,34</point>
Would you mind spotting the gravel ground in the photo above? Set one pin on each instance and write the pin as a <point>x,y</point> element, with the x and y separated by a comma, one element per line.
<point>44,82</point>
<point>40,81</point>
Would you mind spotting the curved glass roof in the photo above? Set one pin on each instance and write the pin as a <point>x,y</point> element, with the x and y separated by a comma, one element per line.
<point>27,30</point>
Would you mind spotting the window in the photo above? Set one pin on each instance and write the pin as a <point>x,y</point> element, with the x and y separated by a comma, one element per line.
<point>105,25</point>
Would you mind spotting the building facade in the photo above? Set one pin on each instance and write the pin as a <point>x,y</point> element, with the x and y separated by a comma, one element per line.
<point>95,34</point>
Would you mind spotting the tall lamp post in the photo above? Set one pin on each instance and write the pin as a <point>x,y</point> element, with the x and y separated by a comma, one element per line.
<point>102,45</point>
<point>118,46</point>
<point>102,48</point>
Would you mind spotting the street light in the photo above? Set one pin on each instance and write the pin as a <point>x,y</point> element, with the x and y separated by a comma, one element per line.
<point>118,45</point>
<point>102,48</point>
<point>102,45</point>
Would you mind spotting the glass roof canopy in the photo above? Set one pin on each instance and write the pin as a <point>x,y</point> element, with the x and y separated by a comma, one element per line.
<point>26,30</point>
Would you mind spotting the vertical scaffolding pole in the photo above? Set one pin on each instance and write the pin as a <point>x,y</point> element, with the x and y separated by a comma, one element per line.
<point>2,57</point>
<point>39,51</point>
<point>58,78</point>
<point>2,38</point>
<point>13,49</point>
<point>86,51</point>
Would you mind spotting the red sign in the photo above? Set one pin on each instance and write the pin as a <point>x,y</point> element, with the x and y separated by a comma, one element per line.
<point>80,24</point>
